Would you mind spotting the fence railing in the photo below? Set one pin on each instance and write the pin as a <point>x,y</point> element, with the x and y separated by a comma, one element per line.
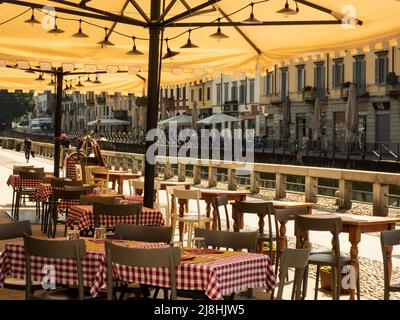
<point>262,176</point>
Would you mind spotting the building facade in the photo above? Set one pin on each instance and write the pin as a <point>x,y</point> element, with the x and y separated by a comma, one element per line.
<point>327,77</point>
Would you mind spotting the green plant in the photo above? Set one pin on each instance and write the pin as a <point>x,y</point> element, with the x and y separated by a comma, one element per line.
<point>326,268</point>
<point>266,245</point>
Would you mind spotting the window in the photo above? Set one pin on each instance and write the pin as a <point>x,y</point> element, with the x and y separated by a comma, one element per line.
<point>218,94</point>
<point>234,91</point>
<point>381,67</point>
<point>200,94</point>
<point>269,78</point>
<point>171,93</point>
<point>178,93</point>
<point>284,83</point>
<point>226,91</point>
<point>208,93</point>
<point>337,73</point>
<point>301,74</point>
<point>184,93</point>
<point>192,95</point>
<point>359,73</point>
<point>319,78</point>
<point>242,92</point>
<point>252,89</point>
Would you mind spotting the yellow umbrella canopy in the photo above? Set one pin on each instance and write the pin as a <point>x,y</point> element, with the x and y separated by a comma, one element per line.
<point>318,27</point>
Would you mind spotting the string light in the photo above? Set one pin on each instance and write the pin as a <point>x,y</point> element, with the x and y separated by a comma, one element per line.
<point>134,51</point>
<point>32,21</point>
<point>40,77</point>
<point>189,44</point>
<point>88,79</point>
<point>169,53</point>
<point>97,81</point>
<point>55,29</point>
<point>106,42</point>
<point>252,19</point>
<point>80,34</point>
<point>287,11</point>
<point>51,83</point>
<point>219,34</point>
<point>79,85</point>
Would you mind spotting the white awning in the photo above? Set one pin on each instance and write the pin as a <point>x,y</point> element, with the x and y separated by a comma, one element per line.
<point>113,122</point>
<point>218,118</point>
<point>181,120</point>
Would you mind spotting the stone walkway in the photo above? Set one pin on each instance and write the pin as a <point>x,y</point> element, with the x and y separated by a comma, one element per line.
<point>369,248</point>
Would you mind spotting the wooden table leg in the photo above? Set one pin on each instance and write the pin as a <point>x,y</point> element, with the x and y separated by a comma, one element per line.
<point>120,186</point>
<point>182,204</point>
<point>208,212</point>
<point>282,236</point>
<point>354,238</point>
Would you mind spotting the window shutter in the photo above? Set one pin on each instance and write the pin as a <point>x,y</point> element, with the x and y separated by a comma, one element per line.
<point>355,73</point>
<point>316,77</point>
<point>334,75</point>
<point>363,76</point>
<point>342,75</point>
<point>377,71</point>
<point>385,69</point>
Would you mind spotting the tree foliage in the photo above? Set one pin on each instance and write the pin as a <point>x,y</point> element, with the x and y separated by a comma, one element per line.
<point>13,105</point>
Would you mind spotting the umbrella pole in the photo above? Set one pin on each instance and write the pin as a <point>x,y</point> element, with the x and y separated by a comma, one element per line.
<point>57,122</point>
<point>153,95</point>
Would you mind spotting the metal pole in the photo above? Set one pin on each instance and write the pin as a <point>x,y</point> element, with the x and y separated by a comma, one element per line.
<point>57,121</point>
<point>153,90</point>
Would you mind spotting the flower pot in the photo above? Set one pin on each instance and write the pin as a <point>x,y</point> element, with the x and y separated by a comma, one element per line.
<point>326,281</point>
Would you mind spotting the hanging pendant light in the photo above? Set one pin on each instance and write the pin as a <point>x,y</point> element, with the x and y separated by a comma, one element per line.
<point>66,85</point>
<point>32,21</point>
<point>70,85</point>
<point>55,29</point>
<point>97,81</point>
<point>40,77</point>
<point>169,53</point>
<point>134,51</point>
<point>252,19</point>
<point>80,85</point>
<point>287,11</point>
<point>88,79</point>
<point>219,34</point>
<point>51,83</point>
<point>106,42</point>
<point>189,44</point>
<point>80,34</point>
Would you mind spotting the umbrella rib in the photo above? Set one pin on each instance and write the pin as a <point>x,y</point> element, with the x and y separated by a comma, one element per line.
<point>115,23</point>
<point>140,10</point>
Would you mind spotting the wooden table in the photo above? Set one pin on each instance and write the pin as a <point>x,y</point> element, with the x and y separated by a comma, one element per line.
<point>118,177</point>
<point>208,196</point>
<point>355,225</point>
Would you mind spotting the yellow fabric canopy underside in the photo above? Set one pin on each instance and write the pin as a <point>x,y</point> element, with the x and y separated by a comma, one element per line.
<point>19,41</point>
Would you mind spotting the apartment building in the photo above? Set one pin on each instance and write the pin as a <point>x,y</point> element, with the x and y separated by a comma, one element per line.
<point>201,98</point>
<point>374,70</point>
<point>174,100</point>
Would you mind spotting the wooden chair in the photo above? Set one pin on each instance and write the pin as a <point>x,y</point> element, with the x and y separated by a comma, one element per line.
<point>222,201</point>
<point>189,220</point>
<point>142,258</point>
<point>16,171</point>
<point>135,185</point>
<point>297,259</point>
<point>100,182</point>
<point>10,231</point>
<point>61,249</point>
<point>106,209</point>
<point>143,233</point>
<point>263,210</point>
<point>334,259</point>
<point>27,192</point>
<point>169,214</point>
<point>389,238</point>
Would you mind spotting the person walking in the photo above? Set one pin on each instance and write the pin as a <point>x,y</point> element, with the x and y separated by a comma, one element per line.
<point>27,148</point>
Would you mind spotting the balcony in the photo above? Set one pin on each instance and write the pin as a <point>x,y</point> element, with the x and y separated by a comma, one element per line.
<point>309,94</point>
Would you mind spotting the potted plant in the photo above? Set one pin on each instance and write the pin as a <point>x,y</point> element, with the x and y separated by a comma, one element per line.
<point>344,90</point>
<point>309,93</point>
<point>326,279</point>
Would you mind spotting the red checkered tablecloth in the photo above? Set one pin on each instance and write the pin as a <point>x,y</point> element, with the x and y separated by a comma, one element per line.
<point>83,216</point>
<point>12,264</point>
<point>43,192</point>
<point>14,181</point>
<point>217,277</point>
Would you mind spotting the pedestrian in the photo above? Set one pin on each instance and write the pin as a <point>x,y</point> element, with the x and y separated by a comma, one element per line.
<point>27,148</point>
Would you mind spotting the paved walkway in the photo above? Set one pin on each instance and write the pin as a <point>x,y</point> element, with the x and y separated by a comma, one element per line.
<point>368,248</point>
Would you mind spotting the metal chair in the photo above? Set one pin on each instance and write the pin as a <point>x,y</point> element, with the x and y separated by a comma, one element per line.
<point>389,238</point>
<point>62,249</point>
<point>16,171</point>
<point>142,258</point>
<point>334,259</point>
<point>143,233</point>
<point>23,191</point>
<point>222,201</point>
<point>297,259</point>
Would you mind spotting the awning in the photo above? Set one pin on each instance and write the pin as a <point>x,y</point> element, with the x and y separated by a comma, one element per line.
<point>218,118</point>
<point>112,122</point>
<point>181,120</point>
<point>238,54</point>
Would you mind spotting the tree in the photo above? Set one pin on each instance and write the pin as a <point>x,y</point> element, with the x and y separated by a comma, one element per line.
<point>14,105</point>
